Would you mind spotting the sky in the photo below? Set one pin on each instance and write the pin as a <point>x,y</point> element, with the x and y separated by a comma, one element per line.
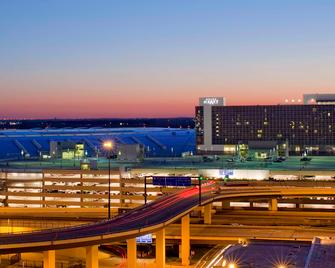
<point>108,58</point>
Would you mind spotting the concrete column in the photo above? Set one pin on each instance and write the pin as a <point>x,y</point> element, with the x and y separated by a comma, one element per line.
<point>273,204</point>
<point>160,248</point>
<point>92,260</point>
<point>49,259</point>
<point>131,253</point>
<point>122,196</point>
<point>185,240</point>
<point>208,214</point>
<point>43,190</point>
<point>81,198</point>
<point>225,204</point>
<point>5,202</point>
<point>299,205</point>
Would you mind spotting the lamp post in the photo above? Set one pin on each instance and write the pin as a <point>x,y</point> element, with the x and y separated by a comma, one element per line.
<point>145,190</point>
<point>200,182</point>
<point>108,146</point>
<point>24,158</point>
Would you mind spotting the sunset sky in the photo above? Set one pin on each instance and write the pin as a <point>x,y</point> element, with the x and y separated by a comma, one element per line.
<point>78,59</point>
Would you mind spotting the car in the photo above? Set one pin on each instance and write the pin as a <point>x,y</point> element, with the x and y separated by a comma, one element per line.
<point>207,159</point>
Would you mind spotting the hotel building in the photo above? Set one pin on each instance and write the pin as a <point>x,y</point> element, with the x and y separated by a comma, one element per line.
<point>300,128</point>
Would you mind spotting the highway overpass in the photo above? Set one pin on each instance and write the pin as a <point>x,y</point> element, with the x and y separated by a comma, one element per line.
<point>151,218</point>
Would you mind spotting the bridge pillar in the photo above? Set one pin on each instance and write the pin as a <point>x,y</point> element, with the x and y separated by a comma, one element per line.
<point>131,253</point>
<point>160,248</point>
<point>273,204</point>
<point>299,205</point>
<point>92,260</point>
<point>208,214</point>
<point>185,240</point>
<point>122,194</point>
<point>49,259</point>
<point>225,204</point>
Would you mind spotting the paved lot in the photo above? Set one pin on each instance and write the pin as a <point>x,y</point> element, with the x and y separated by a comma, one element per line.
<point>268,255</point>
<point>323,254</point>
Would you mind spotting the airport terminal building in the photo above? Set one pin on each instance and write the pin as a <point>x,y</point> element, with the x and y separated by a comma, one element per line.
<point>261,131</point>
<point>78,143</point>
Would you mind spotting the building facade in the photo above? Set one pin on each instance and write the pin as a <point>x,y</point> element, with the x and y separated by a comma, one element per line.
<point>293,129</point>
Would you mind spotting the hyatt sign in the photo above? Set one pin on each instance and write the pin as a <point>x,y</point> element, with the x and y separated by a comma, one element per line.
<point>212,101</point>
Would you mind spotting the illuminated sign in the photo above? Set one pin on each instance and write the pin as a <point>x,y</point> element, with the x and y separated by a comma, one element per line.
<point>144,239</point>
<point>211,101</point>
<point>171,181</point>
<point>226,172</point>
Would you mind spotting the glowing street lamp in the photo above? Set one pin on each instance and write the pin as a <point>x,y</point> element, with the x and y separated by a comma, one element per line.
<point>232,265</point>
<point>108,146</point>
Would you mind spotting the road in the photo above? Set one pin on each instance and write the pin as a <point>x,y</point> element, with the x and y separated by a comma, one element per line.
<point>130,224</point>
<point>145,219</point>
<point>201,232</point>
<point>278,218</point>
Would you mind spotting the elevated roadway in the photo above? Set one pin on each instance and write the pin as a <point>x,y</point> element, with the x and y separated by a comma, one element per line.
<point>215,233</point>
<point>275,218</point>
<point>145,219</point>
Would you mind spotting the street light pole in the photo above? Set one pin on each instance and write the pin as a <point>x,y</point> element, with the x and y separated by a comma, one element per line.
<point>108,145</point>
<point>109,186</point>
<point>199,179</point>
<point>145,190</point>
